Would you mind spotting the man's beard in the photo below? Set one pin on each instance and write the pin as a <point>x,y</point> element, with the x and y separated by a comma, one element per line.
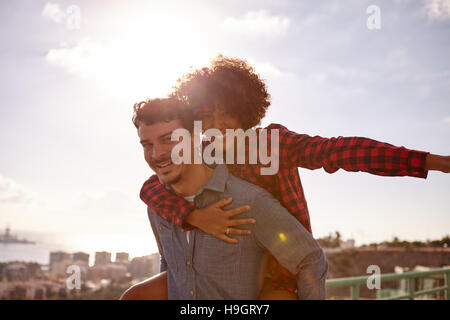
<point>164,179</point>
<point>173,180</point>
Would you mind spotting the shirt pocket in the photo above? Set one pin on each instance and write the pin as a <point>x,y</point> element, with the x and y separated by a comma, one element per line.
<point>167,242</point>
<point>215,257</point>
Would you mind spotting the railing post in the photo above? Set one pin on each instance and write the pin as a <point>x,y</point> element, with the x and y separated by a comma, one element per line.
<point>411,288</point>
<point>354,291</point>
<point>447,284</point>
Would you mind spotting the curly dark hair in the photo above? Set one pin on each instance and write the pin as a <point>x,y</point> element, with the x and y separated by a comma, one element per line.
<point>229,84</point>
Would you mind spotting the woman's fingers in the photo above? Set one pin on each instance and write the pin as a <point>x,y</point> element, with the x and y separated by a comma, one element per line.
<point>239,231</point>
<point>236,211</point>
<point>225,221</point>
<point>222,203</point>
<point>238,222</point>
<point>227,239</point>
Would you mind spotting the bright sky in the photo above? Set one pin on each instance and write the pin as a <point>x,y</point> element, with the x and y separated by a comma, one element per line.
<point>71,162</point>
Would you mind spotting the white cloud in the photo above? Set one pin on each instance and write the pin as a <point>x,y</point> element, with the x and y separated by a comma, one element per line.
<point>112,66</point>
<point>268,69</point>
<point>79,59</point>
<point>53,12</point>
<point>437,9</point>
<point>265,69</point>
<point>128,64</point>
<point>446,119</point>
<point>12,192</point>
<point>260,22</point>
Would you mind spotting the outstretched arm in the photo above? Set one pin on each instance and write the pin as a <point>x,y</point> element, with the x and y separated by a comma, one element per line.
<point>438,163</point>
<point>350,154</point>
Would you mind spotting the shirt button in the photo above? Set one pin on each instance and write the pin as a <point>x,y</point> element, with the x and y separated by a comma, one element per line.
<point>188,262</point>
<point>160,227</point>
<point>191,292</point>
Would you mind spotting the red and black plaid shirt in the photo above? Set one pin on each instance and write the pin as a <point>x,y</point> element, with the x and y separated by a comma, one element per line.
<point>298,150</point>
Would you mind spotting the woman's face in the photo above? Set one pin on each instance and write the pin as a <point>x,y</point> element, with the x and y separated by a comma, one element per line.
<point>218,119</point>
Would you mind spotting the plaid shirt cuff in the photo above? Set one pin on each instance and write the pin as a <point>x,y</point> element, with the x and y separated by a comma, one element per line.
<point>186,226</point>
<point>416,164</point>
<point>184,211</point>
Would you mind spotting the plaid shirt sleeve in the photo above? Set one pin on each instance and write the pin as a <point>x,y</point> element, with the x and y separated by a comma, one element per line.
<point>350,154</point>
<point>165,203</point>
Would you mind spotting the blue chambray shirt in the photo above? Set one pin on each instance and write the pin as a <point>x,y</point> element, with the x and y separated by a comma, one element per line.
<point>209,268</point>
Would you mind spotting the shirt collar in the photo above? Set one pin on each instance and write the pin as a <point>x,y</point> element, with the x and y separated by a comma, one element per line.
<point>218,179</point>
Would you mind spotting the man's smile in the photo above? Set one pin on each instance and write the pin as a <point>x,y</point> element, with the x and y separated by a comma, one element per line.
<point>164,164</point>
<point>164,167</point>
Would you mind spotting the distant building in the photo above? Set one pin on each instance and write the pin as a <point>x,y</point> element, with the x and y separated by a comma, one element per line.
<point>102,258</point>
<point>96,273</point>
<point>59,268</point>
<point>81,256</point>
<point>4,290</point>
<point>58,256</point>
<point>116,271</point>
<point>34,270</point>
<point>110,271</point>
<point>122,257</point>
<point>40,289</point>
<point>19,292</point>
<point>348,244</point>
<point>2,269</point>
<point>145,266</point>
<point>60,261</point>
<point>16,271</point>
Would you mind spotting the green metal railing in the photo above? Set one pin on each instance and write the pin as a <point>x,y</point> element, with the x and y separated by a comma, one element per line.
<point>355,282</point>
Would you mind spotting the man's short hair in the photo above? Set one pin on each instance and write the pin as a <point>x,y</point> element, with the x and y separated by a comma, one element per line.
<point>157,110</point>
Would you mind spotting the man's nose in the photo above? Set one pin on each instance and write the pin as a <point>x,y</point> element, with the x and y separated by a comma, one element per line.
<point>158,152</point>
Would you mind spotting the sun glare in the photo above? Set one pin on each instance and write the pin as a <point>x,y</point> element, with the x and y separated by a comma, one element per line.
<point>146,54</point>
